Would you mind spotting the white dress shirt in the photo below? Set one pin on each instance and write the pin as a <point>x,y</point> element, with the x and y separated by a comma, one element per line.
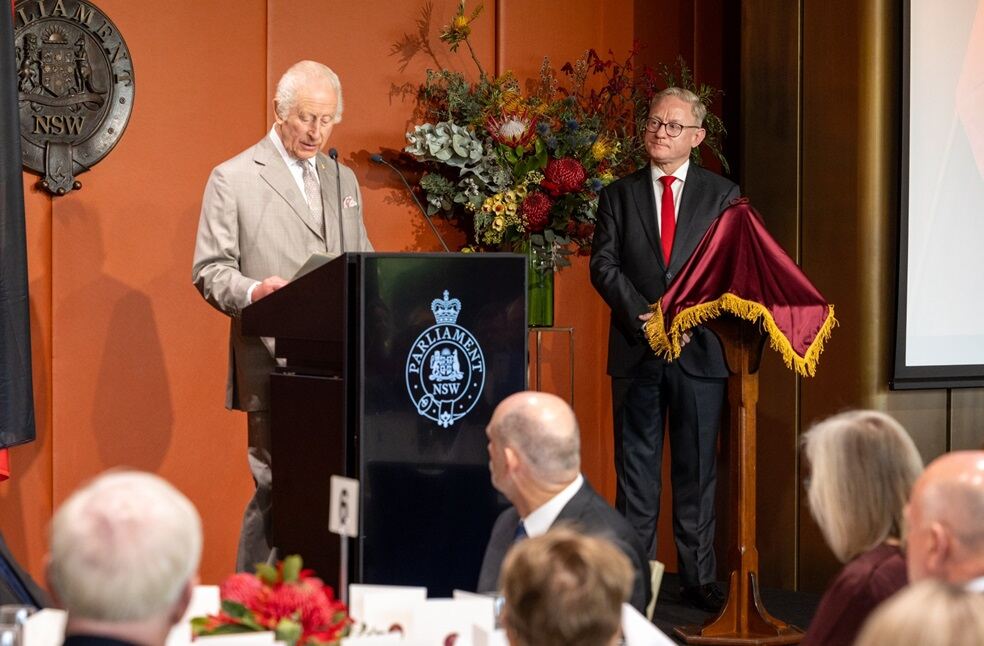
<point>676,187</point>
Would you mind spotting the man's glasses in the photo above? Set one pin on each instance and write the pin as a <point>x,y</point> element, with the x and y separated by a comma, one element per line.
<point>673,129</point>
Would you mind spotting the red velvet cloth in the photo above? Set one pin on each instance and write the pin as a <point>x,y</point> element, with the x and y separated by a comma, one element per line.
<point>738,268</point>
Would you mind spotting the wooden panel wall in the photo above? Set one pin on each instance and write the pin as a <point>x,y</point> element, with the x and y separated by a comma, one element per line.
<point>129,361</point>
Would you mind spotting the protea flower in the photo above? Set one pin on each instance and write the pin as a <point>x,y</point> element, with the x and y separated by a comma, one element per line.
<point>514,128</point>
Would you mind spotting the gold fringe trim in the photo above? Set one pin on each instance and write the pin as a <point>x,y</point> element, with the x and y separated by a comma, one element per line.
<point>668,346</point>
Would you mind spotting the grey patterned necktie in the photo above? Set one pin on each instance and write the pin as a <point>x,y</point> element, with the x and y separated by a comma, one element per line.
<point>312,190</point>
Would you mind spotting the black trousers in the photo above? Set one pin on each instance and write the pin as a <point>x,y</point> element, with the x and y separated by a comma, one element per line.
<point>660,396</point>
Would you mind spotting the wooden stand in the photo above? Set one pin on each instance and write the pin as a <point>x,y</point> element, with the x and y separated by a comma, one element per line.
<point>743,620</point>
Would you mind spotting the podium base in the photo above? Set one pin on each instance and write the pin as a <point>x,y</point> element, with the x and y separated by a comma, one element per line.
<point>692,635</point>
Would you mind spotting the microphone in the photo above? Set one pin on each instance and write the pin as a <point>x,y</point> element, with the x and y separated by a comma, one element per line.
<point>378,159</point>
<point>338,184</point>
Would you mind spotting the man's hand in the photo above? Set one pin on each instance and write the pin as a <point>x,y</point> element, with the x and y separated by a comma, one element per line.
<point>684,338</point>
<point>267,287</point>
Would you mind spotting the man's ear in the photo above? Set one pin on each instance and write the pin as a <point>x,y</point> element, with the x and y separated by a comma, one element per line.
<point>512,458</point>
<point>276,113</point>
<point>938,549</point>
<point>184,600</point>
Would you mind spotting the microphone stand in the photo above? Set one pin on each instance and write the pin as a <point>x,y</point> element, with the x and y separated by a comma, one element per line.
<point>338,184</point>
<point>378,159</point>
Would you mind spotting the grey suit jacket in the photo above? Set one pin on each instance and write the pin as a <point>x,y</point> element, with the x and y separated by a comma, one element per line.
<point>587,512</point>
<point>255,223</point>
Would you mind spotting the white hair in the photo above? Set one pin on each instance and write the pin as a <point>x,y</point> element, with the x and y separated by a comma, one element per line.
<point>863,465</point>
<point>697,107</point>
<point>124,547</point>
<point>928,613</point>
<point>301,75</point>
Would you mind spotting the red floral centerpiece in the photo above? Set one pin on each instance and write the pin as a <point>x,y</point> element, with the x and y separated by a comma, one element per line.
<point>285,599</point>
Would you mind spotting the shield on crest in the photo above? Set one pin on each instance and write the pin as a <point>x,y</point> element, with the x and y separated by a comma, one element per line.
<point>58,69</point>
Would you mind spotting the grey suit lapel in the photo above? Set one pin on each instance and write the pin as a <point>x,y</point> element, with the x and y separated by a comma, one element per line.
<point>275,173</point>
<point>645,203</point>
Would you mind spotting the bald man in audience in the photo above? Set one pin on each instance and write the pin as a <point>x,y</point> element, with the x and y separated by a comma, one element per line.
<point>945,521</point>
<point>535,460</point>
<point>124,560</point>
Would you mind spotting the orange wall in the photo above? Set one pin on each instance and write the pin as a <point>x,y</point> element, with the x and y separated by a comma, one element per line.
<point>129,361</point>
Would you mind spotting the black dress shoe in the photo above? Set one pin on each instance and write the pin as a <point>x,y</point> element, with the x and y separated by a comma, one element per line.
<point>707,597</point>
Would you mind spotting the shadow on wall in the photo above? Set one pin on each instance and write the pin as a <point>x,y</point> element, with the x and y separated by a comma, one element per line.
<point>131,418</point>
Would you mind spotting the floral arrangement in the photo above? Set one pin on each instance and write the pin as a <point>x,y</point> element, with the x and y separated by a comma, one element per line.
<point>522,170</point>
<point>286,599</point>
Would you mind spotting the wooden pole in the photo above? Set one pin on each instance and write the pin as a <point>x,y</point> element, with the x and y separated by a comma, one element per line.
<point>744,619</point>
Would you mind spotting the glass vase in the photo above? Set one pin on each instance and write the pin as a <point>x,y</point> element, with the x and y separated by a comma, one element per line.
<point>540,285</point>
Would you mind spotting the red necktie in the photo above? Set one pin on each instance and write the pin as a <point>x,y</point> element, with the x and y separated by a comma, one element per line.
<point>667,221</point>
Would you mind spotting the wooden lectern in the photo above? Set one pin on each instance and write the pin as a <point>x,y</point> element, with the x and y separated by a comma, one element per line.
<point>742,285</point>
<point>744,619</point>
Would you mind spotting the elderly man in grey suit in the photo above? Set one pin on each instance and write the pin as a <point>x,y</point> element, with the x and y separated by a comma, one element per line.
<point>265,212</point>
<point>535,460</point>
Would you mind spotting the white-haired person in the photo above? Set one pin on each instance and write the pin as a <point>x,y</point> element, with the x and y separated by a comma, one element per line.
<point>927,613</point>
<point>264,212</point>
<point>124,558</point>
<point>863,465</point>
<point>564,589</point>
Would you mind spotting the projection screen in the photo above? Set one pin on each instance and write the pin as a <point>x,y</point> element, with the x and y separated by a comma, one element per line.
<point>940,325</point>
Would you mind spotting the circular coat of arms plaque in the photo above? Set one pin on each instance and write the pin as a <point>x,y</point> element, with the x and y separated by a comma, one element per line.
<point>75,87</point>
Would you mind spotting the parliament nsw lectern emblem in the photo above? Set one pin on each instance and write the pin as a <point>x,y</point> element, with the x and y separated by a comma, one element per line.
<point>74,88</point>
<point>445,368</point>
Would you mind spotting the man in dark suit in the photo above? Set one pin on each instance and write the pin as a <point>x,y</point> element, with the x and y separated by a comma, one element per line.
<point>16,585</point>
<point>535,460</point>
<point>649,224</point>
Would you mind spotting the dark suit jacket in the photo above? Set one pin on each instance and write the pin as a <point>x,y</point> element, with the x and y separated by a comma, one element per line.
<point>628,269</point>
<point>587,512</point>
<point>7,594</point>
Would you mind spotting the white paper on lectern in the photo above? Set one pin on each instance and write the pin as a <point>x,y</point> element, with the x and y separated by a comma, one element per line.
<point>639,631</point>
<point>343,516</point>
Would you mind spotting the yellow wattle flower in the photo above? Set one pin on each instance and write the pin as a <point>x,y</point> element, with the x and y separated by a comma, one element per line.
<point>460,21</point>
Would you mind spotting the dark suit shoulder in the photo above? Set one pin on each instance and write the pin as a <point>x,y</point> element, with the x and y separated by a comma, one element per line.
<point>591,514</point>
<point>627,182</point>
<point>717,183</point>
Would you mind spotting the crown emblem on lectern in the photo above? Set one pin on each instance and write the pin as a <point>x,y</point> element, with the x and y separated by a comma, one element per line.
<point>445,370</point>
<point>445,310</point>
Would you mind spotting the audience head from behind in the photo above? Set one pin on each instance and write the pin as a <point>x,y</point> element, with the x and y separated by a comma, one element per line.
<point>564,589</point>
<point>945,521</point>
<point>124,557</point>
<point>863,465</point>
<point>928,613</point>
<point>534,448</point>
